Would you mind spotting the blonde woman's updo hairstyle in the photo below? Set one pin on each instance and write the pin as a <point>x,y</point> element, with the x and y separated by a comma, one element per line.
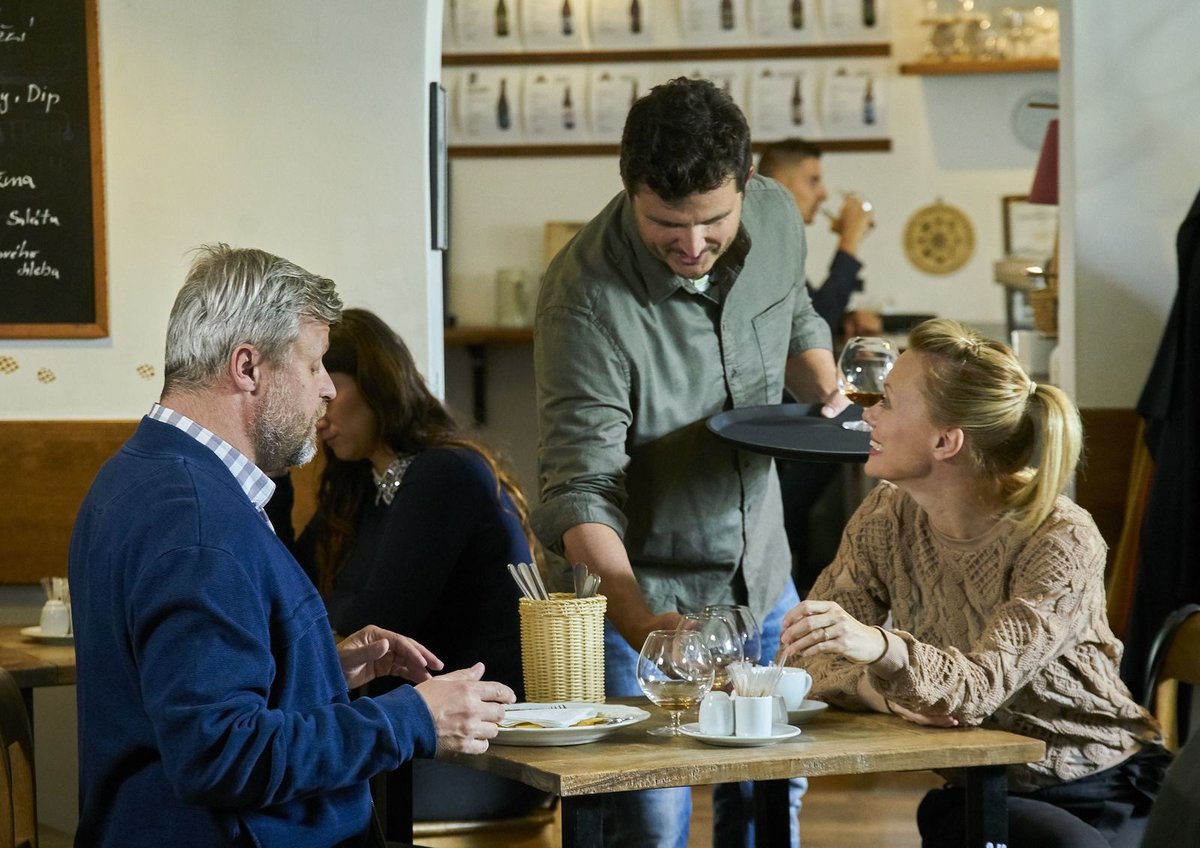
<point>1025,435</point>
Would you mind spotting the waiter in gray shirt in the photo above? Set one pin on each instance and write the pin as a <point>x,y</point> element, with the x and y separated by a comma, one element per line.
<point>683,298</point>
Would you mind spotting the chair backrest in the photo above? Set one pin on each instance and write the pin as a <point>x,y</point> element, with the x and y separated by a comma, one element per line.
<point>18,796</point>
<point>1174,659</point>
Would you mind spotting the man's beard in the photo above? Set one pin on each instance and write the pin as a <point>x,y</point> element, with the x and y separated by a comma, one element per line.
<point>283,437</point>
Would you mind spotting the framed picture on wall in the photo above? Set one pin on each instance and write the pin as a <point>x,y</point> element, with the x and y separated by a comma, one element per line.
<point>1029,228</point>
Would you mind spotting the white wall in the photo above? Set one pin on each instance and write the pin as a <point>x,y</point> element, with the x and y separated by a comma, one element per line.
<point>952,139</point>
<point>296,126</point>
<point>1130,169</point>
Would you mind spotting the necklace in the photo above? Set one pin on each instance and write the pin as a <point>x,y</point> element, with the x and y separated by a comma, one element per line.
<point>388,483</point>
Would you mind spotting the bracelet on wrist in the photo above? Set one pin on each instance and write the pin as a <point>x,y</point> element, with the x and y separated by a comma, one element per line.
<point>886,645</point>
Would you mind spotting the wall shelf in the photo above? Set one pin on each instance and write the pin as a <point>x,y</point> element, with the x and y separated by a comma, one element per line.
<point>952,67</point>
<point>480,151</point>
<point>476,341</point>
<point>703,54</point>
<point>467,336</point>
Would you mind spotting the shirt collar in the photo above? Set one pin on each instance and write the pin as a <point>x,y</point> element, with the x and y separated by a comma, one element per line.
<point>257,485</point>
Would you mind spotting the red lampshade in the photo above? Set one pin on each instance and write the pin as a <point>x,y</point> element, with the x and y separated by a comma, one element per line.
<point>1045,178</point>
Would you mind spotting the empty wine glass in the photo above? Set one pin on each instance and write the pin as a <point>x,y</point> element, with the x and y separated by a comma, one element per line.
<point>675,671</point>
<point>721,638</point>
<point>862,369</point>
<point>746,625</point>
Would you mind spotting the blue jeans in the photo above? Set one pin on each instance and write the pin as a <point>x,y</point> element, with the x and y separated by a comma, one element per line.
<point>658,818</point>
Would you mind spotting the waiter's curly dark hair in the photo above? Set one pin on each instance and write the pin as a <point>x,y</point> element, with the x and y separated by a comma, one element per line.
<point>684,137</point>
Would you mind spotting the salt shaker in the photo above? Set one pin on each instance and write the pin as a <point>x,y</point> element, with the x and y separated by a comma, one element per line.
<point>716,714</point>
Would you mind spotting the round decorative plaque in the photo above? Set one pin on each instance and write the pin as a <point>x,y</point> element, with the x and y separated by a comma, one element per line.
<point>939,238</point>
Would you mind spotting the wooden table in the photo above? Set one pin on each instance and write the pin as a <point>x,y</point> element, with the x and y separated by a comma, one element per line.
<point>835,742</point>
<point>34,664</point>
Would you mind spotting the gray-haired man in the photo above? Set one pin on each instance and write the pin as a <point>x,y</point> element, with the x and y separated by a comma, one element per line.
<point>213,704</point>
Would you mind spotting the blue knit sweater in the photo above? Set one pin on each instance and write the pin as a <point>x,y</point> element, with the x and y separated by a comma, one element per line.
<point>212,708</point>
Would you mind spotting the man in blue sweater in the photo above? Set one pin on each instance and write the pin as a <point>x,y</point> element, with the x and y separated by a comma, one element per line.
<point>213,702</point>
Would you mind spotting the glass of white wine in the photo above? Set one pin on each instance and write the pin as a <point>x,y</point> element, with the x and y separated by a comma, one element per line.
<point>862,370</point>
<point>723,641</point>
<point>675,671</point>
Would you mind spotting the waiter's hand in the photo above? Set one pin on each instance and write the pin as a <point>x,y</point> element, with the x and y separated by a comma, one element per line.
<point>833,404</point>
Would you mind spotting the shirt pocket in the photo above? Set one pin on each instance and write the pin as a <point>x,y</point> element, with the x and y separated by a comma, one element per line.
<point>772,334</point>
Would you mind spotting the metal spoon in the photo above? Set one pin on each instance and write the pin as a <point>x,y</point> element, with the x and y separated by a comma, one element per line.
<point>581,578</point>
<point>517,577</point>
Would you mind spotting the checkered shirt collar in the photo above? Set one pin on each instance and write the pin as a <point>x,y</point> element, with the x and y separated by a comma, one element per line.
<point>257,485</point>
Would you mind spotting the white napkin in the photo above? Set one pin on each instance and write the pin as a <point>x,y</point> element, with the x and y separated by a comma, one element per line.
<point>546,717</point>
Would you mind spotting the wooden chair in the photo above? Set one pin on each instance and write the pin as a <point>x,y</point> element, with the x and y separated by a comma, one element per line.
<point>18,795</point>
<point>535,828</point>
<point>393,797</point>
<point>1174,659</point>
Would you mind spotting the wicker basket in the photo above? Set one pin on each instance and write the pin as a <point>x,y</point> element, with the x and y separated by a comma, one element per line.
<point>1044,303</point>
<point>562,648</point>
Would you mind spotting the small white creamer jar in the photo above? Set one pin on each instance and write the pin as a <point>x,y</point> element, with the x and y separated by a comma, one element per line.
<point>56,619</point>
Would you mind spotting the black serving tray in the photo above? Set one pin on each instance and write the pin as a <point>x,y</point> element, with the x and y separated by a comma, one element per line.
<point>793,431</point>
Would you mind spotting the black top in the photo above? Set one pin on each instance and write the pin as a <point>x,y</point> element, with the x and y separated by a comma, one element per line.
<point>1167,577</point>
<point>831,299</point>
<point>432,565</point>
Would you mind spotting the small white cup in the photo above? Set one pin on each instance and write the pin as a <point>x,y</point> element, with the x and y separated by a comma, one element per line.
<point>56,619</point>
<point>779,709</point>
<point>716,714</point>
<point>793,685</point>
<point>752,716</point>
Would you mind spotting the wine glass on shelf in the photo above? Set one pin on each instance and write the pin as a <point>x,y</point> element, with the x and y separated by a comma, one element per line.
<point>746,625</point>
<point>723,641</point>
<point>675,671</point>
<point>862,369</point>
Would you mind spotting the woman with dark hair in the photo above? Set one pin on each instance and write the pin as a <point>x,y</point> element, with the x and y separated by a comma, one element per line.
<point>994,582</point>
<point>414,528</point>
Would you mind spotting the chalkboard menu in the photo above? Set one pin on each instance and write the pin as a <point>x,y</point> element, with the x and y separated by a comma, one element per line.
<point>52,263</point>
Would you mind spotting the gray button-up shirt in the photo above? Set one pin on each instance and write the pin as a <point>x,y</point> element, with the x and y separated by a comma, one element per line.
<point>631,362</point>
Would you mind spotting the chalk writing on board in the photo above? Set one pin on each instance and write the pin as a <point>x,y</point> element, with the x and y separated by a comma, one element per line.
<point>51,223</point>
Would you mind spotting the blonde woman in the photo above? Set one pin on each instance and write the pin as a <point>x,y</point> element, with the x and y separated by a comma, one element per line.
<point>994,581</point>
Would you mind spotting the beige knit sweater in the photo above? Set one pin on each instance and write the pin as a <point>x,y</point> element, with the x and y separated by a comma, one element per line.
<point>1006,631</point>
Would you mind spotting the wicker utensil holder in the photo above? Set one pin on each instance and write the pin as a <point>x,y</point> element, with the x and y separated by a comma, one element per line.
<point>562,648</point>
<point>1044,303</point>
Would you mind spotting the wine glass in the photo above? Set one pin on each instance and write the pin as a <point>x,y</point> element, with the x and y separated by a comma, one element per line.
<point>835,218</point>
<point>745,624</point>
<point>675,671</point>
<point>862,369</point>
<point>723,641</point>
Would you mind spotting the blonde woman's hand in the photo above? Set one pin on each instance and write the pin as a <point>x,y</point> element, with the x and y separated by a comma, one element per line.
<point>921,718</point>
<point>812,628</point>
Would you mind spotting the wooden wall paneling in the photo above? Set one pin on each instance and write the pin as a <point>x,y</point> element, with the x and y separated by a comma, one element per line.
<point>1103,478</point>
<point>47,468</point>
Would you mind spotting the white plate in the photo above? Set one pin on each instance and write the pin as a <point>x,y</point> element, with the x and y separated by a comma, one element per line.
<point>779,733</point>
<point>622,716</point>
<point>805,711</point>
<point>35,632</point>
